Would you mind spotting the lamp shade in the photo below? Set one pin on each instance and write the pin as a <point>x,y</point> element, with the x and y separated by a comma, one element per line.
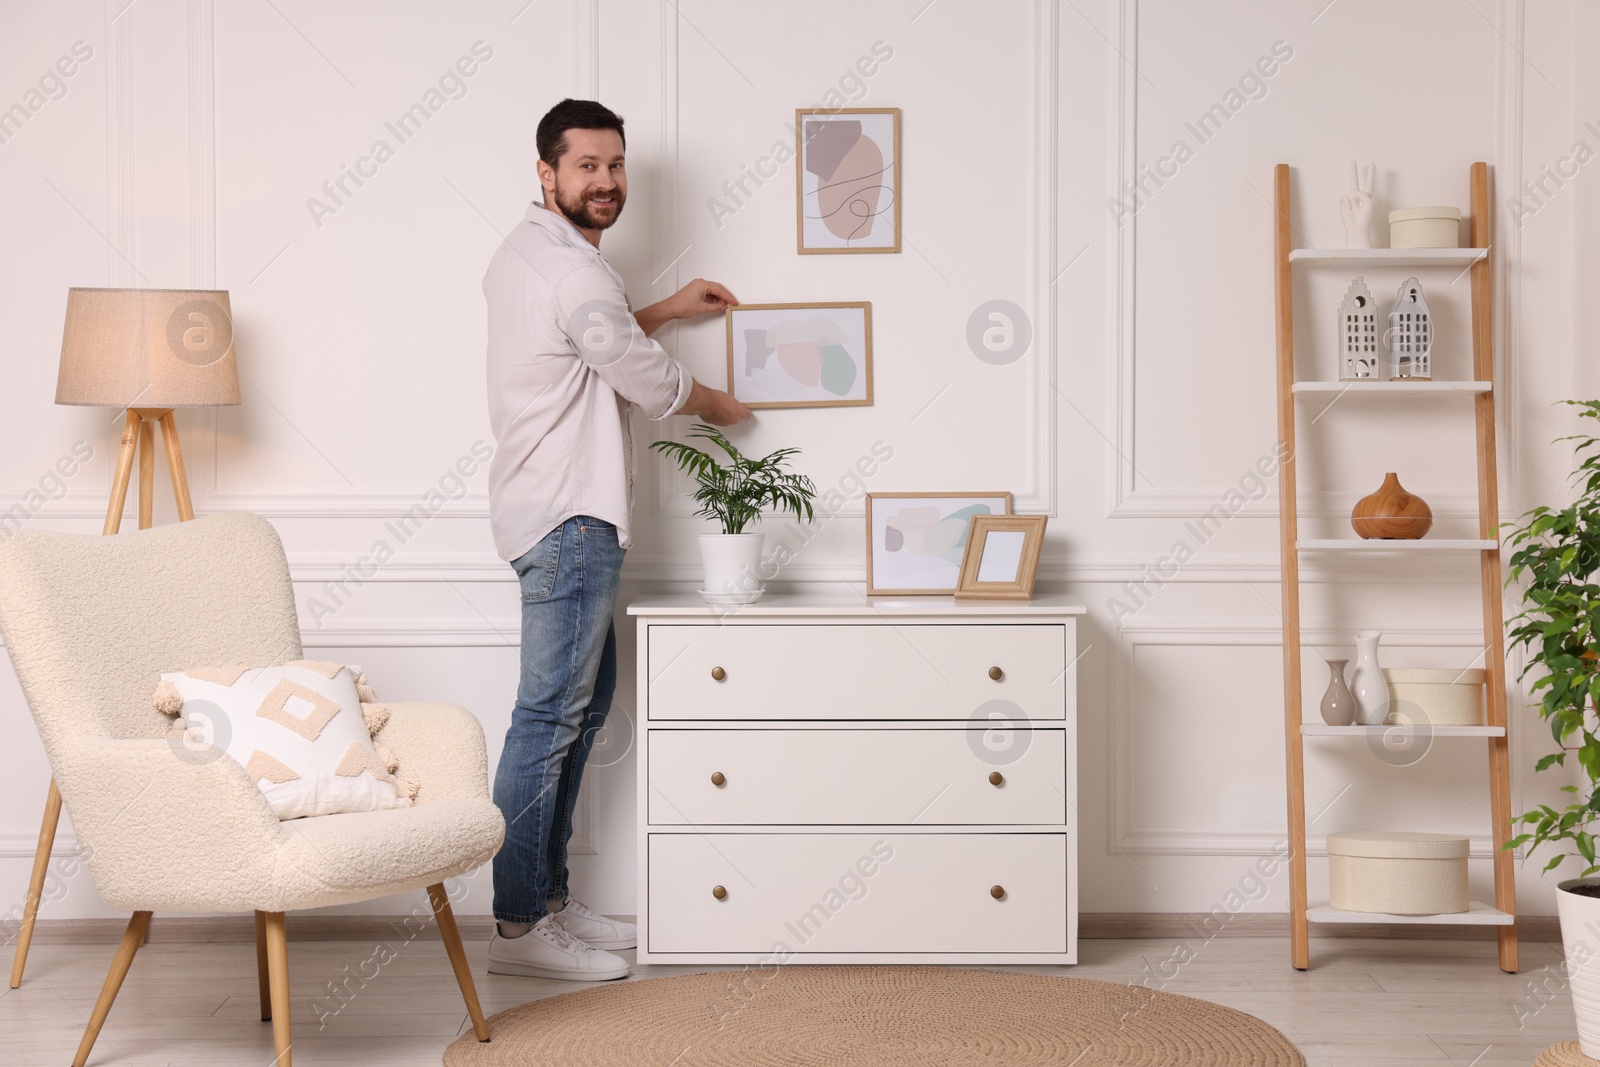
<point>148,348</point>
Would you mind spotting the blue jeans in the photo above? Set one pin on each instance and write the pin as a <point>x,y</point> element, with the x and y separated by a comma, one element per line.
<point>569,673</point>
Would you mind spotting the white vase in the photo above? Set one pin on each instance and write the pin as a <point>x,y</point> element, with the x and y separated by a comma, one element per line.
<point>1580,935</point>
<point>1368,683</point>
<point>732,565</point>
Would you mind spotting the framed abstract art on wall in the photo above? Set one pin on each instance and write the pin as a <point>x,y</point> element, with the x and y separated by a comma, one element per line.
<point>848,170</point>
<point>800,355</point>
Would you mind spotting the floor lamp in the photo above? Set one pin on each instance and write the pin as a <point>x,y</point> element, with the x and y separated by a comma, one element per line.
<point>149,351</point>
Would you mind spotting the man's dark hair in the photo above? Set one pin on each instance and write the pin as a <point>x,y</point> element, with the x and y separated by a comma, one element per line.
<point>573,115</point>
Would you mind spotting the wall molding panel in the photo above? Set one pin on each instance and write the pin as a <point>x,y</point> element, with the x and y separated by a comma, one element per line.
<point>1125,835</point>
<point>1125,497</point>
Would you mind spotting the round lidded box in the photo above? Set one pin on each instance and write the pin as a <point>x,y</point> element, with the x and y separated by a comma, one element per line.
<point>1435,697</point>
<point>1425,227</point>
<point>1397,872</point>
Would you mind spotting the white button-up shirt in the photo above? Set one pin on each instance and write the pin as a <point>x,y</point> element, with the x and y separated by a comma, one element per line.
<point>566,362</point>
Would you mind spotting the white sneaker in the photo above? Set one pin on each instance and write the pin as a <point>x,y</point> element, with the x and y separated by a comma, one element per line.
<point>594,928</point>
<point>548,951</point>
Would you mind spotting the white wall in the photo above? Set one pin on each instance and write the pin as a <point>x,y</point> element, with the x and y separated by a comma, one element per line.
<point>184,151</point>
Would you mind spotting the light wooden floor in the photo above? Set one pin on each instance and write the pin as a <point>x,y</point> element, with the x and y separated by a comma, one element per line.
<point>1389,1003</point>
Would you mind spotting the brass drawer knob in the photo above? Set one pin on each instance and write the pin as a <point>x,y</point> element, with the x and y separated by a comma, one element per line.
<point>996,673</point>
<point>996,891</point>
<point>996,778</point>
<point>718,674</point>
<point>722,894</point>
<point>717,778</point>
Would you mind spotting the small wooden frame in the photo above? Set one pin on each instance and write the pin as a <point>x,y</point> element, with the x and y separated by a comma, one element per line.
<point>780,357</point>
<point>921,539</point>
<point>847,180</point>
<point>1002,557</point>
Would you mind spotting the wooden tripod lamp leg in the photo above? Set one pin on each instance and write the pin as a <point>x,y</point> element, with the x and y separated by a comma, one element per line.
<point>131,939</point>
<point>458,957</point>
<point>41,864</point>
<point>147,474</point>
<point>119,486</point>
<point>180,483</point>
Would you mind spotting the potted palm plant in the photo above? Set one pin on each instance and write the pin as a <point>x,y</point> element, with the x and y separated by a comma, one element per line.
<point>1558,552</point>
<point>735,493</point>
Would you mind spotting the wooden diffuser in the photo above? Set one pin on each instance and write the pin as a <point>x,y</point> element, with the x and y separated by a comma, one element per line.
<point>1391,513</point>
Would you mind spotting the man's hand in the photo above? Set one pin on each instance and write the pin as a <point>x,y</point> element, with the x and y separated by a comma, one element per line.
<point>713,406</point>
<point>699,297</point>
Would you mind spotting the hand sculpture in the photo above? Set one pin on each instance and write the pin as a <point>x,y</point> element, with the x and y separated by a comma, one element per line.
<point>1355,207</point>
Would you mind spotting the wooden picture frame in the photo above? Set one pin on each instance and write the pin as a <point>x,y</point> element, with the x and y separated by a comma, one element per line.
<point>996,569</point>
<point>922,556</point>
<point>847,198</point>
<point>817,360</point>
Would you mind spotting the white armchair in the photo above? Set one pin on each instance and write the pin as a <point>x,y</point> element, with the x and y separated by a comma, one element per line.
<point>92,622</point>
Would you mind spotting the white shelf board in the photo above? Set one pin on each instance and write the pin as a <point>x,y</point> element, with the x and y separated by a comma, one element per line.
<point>1476,915</point>
<point>1388,257</point>
<point>1322,729</point>
<point>1390,388</point>
<point>1422,544</point>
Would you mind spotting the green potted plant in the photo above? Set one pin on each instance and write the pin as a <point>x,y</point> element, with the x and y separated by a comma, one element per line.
<point>1557,551</point>
<point>735,493</point>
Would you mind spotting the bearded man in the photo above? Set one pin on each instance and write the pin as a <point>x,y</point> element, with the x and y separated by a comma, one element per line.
<point>568,359</point>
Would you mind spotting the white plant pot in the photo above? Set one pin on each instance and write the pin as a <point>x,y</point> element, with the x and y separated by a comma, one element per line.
<point>1580,934</point>
<point>732,565</point>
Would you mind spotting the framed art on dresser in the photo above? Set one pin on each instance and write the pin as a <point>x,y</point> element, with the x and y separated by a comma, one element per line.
<point>1002,557</point>
<point>916,541</point>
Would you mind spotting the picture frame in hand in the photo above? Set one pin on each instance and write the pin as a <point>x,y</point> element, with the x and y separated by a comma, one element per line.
<point>916,541</point>
<point>800,355</point>
<point>847,180</point>
<point>1002,557</point>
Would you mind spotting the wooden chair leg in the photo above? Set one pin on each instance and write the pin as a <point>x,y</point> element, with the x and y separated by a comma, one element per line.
<point>278,980</point>
<point>262,971</point>
<point>120,963</point>
<point>41,865</point>
<point>458,957</point>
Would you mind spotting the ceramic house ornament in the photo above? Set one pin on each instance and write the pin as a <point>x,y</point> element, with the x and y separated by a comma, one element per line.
<point>1411,334</point>
<point>1358,334</point>
<point>1355,208</point>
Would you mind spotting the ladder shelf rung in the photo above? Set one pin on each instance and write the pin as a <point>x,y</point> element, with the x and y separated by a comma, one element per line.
<point>1322,729</point>
<point>1380,545</point>
<point>1391,388</point>
<point>1476,915</point>
<point>1388,257</point>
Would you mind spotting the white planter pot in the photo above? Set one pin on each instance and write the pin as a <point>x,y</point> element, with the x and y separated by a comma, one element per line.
<point>732,565</point>
<point>1580,934</point>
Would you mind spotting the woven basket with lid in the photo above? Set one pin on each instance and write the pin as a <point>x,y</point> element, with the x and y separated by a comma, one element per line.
<point>1428,697</point>
<point>1425,227</point>
<point>1398,872</point>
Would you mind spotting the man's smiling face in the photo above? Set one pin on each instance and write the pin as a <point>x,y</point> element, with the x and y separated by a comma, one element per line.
<point>589,182</point>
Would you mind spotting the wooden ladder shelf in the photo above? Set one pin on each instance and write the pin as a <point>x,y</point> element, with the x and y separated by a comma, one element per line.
<point>1481,393</point>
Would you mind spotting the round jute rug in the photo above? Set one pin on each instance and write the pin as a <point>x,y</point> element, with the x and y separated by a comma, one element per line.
<point>873,1017</point>
<point>1565,1054</point>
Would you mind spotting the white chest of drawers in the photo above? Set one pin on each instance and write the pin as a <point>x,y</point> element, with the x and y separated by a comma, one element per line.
<point>832,779</point>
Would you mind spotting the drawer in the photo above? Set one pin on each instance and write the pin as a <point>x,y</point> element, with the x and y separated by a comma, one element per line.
<point>805,893</point>
<point>857,777</point>
<point>866,671</point>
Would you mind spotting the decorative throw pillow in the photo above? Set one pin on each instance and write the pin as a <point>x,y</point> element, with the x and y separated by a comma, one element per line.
<point>303,731</point>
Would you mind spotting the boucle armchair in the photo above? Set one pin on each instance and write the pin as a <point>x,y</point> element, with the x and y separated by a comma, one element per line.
<point>91,623</point>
